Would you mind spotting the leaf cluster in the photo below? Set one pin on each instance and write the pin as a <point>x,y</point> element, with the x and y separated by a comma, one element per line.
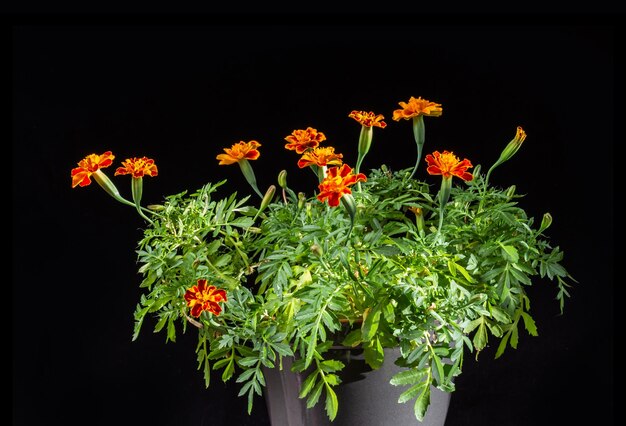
<point>303,277</point>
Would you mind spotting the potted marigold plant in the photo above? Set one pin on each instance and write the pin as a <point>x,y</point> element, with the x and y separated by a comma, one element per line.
<point>376,260</point>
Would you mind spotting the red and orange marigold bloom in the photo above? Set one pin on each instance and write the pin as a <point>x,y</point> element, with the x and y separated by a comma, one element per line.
<point>239,151</point>
<point>416,107</point>
<point>138,167</point>
<point>447,164</point>
<point>81,175</point>
<point>203,297</point>
<point>368,119</point>
<point>320,156</point>
<point>336,184</point>
<point>302,140</point>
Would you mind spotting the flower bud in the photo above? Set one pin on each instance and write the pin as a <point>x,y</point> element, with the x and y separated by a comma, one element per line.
<point>513,146</point>
<point>301,200</point>
<point>156,207</point>
<point>282,179</point>
<point>267,198</point>
<point>510,192</point>
<point>545,222</point>
<point>317,250</point>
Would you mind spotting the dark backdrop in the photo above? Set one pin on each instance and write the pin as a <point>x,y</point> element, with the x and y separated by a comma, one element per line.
<point>180,93</point>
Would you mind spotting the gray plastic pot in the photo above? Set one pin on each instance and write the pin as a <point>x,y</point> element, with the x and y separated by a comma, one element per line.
<point>366,398</point>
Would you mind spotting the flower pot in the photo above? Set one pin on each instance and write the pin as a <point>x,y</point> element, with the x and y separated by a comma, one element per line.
<point>366,398</point>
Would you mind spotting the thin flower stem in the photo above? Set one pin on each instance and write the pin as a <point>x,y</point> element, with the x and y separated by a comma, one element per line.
<point>419,134</point>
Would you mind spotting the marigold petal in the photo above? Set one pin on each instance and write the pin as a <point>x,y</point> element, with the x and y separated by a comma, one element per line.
<point>80,177</point>
<point>196,310</point>
<point>239,151</point>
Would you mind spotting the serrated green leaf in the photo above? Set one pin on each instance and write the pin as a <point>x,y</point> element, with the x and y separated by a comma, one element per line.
<point>308,384</point>
<point>353,338</point>
<point>421,403</point>
<point>228,371</point>
<point>502,345</point>
<point>370,325</point>
<point>480,338</point>
<point>245,375</point>
<point>437,369</point>
<point>510,253</point>
<point>315,395</point>
<point>374,354</point>
<point>332,405</point>
<point>499,315</point>
<point>412,392</point>
<point>331,365</point>
<point>407,377</point>
<point>529,324</point>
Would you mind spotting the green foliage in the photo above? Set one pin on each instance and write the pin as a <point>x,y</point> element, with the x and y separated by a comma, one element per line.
<point>310,271</point>
<point>389,267</point>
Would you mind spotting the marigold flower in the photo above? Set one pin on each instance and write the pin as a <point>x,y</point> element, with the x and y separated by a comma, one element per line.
<point>239,151</point>
<point>302,140</point>
<point>81,175</point>
<point>416,107</point>
<point>320,156</point>
<point>447,164</point>
<point>203,297</point>
<point>336,184</point>
<point>138,167</point>
<point>368,119</point>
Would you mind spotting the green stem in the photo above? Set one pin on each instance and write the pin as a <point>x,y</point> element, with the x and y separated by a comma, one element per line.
<point>419,134</point>
<point>444,195</point>
<point>248,173</point>
<point>137,192</point>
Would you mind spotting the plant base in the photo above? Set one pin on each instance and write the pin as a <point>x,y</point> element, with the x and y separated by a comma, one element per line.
<point>366,398</point>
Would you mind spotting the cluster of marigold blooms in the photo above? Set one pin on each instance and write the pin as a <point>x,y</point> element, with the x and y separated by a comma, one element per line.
<point>335,176</point>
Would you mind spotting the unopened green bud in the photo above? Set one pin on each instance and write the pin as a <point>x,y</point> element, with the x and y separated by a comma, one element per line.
<point>545,222</point>
<point>267,198</point>
<point>317,250</point>
<point>509,151</point>
<point>513,146</point>
<point>156,207</point>
<point>282,179</point>
<point>419,218</point>
<point>348,202</point>
<point>510,192</point>
<point>301,199</point>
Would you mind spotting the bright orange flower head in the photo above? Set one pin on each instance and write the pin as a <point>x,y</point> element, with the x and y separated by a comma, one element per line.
<point>320,156</point>
<point>416,107</point>
<point>239,151</point>
<point>368,119</point>
<point>302,140</point>
<point>81,175</point>
<point>336,184</point>
<point>203,297</point>
<point>138,167</point>
<point>448,165</point>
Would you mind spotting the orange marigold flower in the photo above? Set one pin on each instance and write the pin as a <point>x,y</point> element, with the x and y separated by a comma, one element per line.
<point>336,183</point>
<point>302,140</point>
<point>138,167</point>
<point>416,107</point>
<point>203,297</point>
<point>447,164</point>
<point>368,119</point>
<point>239,151</point>
<point>81,175</point>
<point>320,156</point>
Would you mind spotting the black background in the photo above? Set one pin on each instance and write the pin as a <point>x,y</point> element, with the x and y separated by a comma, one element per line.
<point>180,93</point>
